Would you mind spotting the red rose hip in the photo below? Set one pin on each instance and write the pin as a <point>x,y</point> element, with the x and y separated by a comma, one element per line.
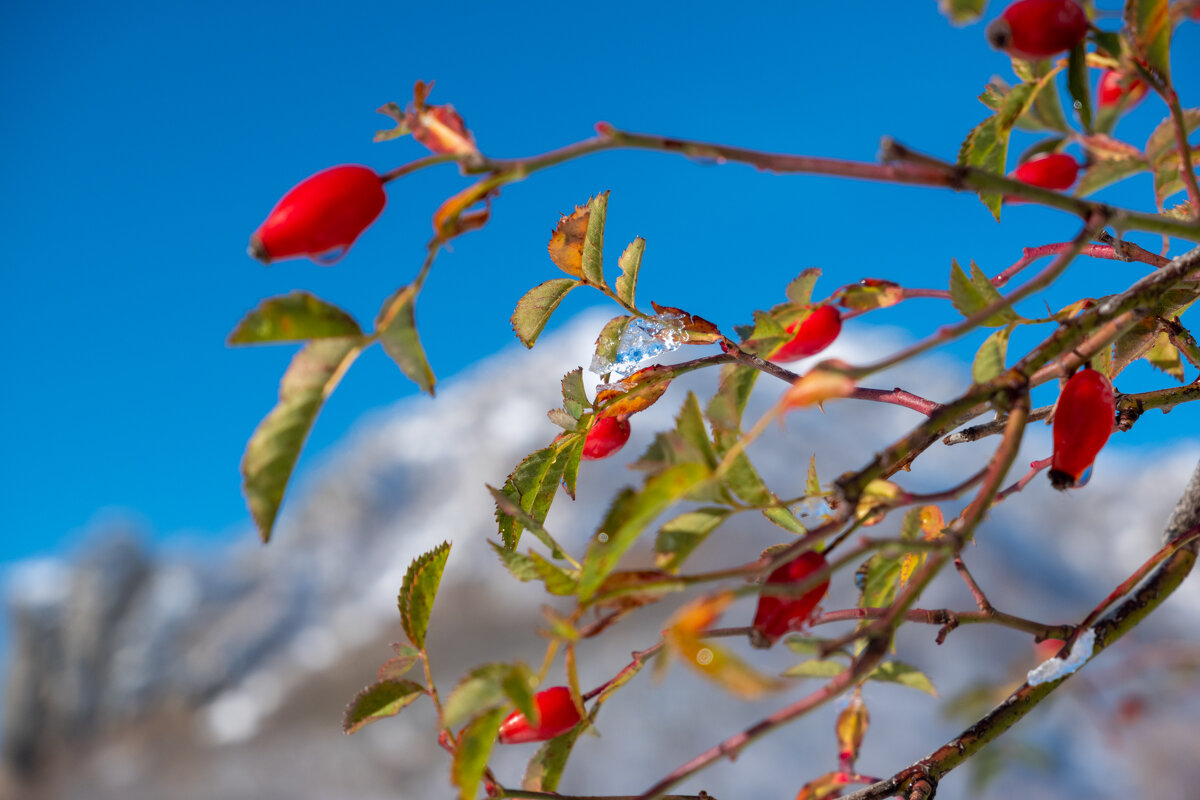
<point>777,613</point>
<point>1049,171</point>
<point>1036,29</point>
<point>321,216</point>
<point>1115,87</point>
<point>607,436</point>
<point>1083,421</point>
<point>556,715</point>
<point>811,335</point>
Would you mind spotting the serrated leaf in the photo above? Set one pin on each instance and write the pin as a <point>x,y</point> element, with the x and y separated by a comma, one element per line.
<point>609,341</point>
<point>573,456</point>
<point>879,580</point>
<point>726,407</point>
<point>800,290</point>
<point>558,581</point>
<point>783,517</point>
<point>518,564</point>
<point>972,295</point>
<point>297,316</point>
<point>1149,21</point>
<point>418,591</point>
<point>962,12</point>
<point>484,688</point>
<point>814,669</point>
<point>395,668</point>
<point>566,242</point>
<point>593,242</point>
<point>631,512</point>
<point>379,700</point>
<point>1105,148</point>
<point>926,521</point>
<point>989,359</point>
<point>396,326</point>
<point>986,146</point>
<point>1105,173</point>
<point>562,419</point>
<point>812,484</point>
<point>274,447</point>
<point>903,674</point>
<point>1078,86</point>
<point>630,263</point>
<point>1045,112</point>
<point>535,307</point>
<point>689,423</point>
<point>1161,143</point>
<point>1164,356</point>
<point>683,534</point>
<point>636,393</point>
<point>544,770</point>
<point>471,755</point>
<point>512,509</point>
<point>397,113</point>
<point>871,293</point>
<point>574,395</point>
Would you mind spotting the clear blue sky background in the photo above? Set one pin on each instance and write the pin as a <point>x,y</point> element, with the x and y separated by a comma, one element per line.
<point>142,142</point>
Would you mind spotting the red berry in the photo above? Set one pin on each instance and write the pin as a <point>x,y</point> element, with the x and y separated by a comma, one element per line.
<point>1083,420</point>
<point>1049,171</point>
<point>1047,649</point>
<point>777,614</point>
<point>1115,87</point>
<point>321,216</point>
<point>1036,29</point>
<point>607,436</point>
<point>812,334</point>
<point>557,714</point>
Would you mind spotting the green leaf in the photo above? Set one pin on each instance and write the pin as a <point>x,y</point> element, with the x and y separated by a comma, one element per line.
<point>879,580</point>
<point>562,419</point>
<point>1150,23</point>
<point>293,317</point>
<point>629,515</point>
<point>1077,85</point>
<point>1046,112</point>
<point>1132,345</point>
<point>1161,143</point>
<point>574,395</point>
<point>986,146</point>
<point>275,446</point>
<point>726,407</point>
<point>812,484</point>
<point>1164,356</point>
<point>545,769</point>
<point>680,536</point>
<point>558,581</point>
<point>383,699</point>
<point>534,309</point>
<point>989,359</point>
<point>1105,173</point>
<point>483,689</point>
<point>573,456</point>
<point>471,755</point>
<point>972,295</point>
<point>396,326</point>
<point>609,340</point>
<point>962,12</point>
<point>630,263</point>
<point>593,242</point>
<point>814,669</point>
<point>807,645</point>
<point>800,290</point>
<point>509,507</point>
<point>784,518</point>
<point>419,590</point>
<point>519,565</point>
<point>690,426</point>
<point>903,674</point>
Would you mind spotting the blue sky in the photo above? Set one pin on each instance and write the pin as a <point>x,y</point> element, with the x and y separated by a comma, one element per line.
<point>143,142</point>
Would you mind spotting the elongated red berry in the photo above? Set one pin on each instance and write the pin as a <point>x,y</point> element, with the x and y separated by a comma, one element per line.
<point>557,714</point>
<point>1036,29</point>
<point>777,613</point>
<point>811,335</point>
<point>1083,421</point>
<point>1115,87</point>
<point>321,216</point>
<point>607,436</point>
<point>1049,170</point>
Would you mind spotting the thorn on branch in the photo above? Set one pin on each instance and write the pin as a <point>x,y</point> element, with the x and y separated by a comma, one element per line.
<point>923,789</point>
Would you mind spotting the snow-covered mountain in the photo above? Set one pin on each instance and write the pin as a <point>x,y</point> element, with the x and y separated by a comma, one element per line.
<point>147,674</point>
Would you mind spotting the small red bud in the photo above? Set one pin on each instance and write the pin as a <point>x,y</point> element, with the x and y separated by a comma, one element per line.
<point>1083,421</point>
<point>1115,87</point>
<point>321,216</point>
<point>1049,171</point>
<point>1047,649</point>
<point>1036,29</point>
<point>557,714</point>
<point>777,614</point>
<point>607,436</point>
<point>811,335</point>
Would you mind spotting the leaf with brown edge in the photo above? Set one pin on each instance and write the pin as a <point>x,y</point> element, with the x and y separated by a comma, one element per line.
<point>394,111</point>
<point>1164,356</point>
<point>567,241</point>
<point>851,727</point>
<point>274,448</point>
<point>1105,148</point>
<point>679,536</point>
<point>296,316</point>
<point>484,688</point>
<point>1149,21</point>
<point>535,307</point>
<point>638,587</point>
<point>1105,173</point>
<point>870,293</point>
<point>451,219</point>
<point>824,787</point>
<point>961,12</point>
<point>630,263</point>
<point>379,700</point>
<point>636,393</point>
<point>800,290</point>
<point>608,343</point>
<point>418,591</point>
<point>698,329</point>
<point>396,327</point>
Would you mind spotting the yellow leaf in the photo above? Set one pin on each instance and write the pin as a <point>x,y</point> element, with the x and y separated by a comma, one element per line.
<point>851,728</point>
<point>684,637</point>
<point>566,243</point>
<point>450,221</point>
<point>877,497</point>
